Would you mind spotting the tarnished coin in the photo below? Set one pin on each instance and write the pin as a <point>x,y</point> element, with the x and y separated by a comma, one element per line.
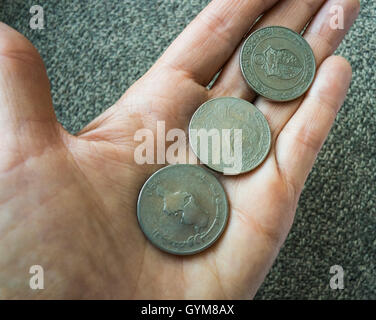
<point>230,135</point>
<point>277,63</point>
<point>182,209</point>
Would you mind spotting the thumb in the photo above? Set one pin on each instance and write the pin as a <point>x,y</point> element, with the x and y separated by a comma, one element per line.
<point>27,118</point>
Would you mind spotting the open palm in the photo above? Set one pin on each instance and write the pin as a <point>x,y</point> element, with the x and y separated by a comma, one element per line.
<point>68,203</point>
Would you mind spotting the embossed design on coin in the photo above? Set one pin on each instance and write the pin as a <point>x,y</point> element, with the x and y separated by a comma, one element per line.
<point>249,137</point>
<point>185,205</point>
<point>277,63</point>
<point>182,209</point>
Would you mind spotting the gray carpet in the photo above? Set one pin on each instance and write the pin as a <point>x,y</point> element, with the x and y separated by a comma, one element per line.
<point>94,50</point>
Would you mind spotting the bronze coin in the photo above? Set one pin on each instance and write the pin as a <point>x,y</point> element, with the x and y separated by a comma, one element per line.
<point>278,63</point>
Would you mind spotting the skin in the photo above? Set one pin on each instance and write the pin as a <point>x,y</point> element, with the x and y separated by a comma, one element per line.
<point>68,203</point>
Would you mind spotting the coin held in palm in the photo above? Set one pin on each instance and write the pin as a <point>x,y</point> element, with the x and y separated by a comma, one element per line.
<point>277,63</point>
<point>230,135</point>
<point>182,209</point>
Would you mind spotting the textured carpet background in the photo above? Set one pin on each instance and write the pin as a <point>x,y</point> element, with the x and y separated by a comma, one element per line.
<point>94,50</point>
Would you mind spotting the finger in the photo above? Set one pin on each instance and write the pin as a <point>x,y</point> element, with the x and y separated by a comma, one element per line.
<point>302,137</point>
<point>278,114</point>
<point>207,43</point>
<point>296,149</point>
<point>293,14</point>
<point>26,113</point>
<point>324,40</point>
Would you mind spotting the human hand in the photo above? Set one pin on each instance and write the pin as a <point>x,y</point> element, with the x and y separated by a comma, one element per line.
<point>68,203</point>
